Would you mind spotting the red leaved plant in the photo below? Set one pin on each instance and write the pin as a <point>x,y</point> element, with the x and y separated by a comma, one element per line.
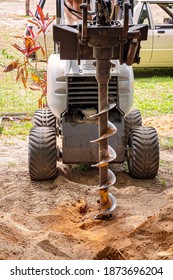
<point>26,70</point>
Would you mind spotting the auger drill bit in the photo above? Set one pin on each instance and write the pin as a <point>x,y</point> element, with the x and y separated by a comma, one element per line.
<point>102,52</point>
<point>105,130</point>
<point>105,38</point>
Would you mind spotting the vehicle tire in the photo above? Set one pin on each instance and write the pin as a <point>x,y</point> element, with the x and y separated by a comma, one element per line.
<point>143,152</point>
<point>132,119</point>
<point>42,153</point>
<point>44,117</point>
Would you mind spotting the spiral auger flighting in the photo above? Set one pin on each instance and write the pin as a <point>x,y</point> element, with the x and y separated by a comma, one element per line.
<point>105,130</point>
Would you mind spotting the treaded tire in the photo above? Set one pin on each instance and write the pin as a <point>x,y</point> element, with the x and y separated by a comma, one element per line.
<point>131,120</point>
<point>44,117</point>
<point>143,152</point>
<point>42,153</point>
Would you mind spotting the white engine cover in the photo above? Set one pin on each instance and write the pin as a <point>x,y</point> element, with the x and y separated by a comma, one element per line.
<point>58,70</point>
<point>56,85</point>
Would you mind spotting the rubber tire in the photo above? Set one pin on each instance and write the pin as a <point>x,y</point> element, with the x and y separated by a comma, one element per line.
<point>143,152</point>
<point>131,120</point>
<point>42,153</point>
<point>44,117</point>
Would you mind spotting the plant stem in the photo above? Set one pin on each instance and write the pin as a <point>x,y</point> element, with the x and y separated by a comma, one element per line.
<point>35,68</point>
<point>45,43</point>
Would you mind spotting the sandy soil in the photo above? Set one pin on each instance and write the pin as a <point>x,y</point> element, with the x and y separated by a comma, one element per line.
<point>55,219</point>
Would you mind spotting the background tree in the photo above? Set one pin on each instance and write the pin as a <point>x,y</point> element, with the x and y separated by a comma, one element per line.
<point>27,7</point>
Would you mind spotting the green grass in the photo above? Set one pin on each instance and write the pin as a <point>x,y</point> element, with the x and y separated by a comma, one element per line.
<point>166,142</point>
<point>14,128</point>
<point>14,98</point>
<point>153,94</point>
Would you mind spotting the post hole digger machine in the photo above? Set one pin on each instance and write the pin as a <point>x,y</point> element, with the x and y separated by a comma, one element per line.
<point>90,96</point>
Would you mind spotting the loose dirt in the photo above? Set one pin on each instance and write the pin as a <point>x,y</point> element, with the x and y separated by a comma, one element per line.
<point>55,219</point>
